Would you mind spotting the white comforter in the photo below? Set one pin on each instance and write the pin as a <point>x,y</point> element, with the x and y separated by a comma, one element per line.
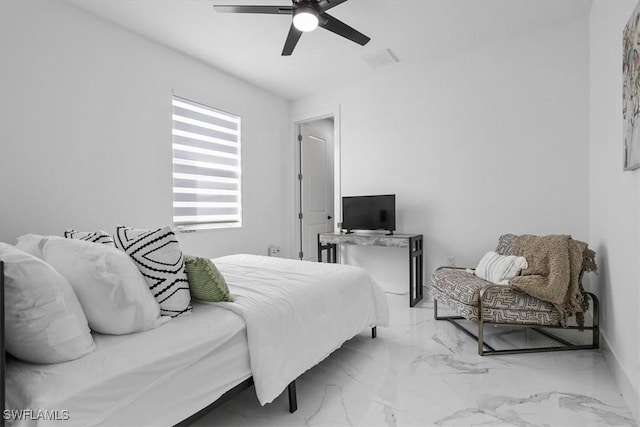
<point>297,313</point>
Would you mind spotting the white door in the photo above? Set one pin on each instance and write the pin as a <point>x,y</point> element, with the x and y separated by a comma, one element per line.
<point>316,156</point>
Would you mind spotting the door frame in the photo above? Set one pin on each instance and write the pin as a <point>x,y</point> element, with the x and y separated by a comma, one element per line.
<point>296,121</point>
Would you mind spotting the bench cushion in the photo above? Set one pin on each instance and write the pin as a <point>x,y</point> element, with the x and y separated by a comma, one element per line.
<point>460,290</point>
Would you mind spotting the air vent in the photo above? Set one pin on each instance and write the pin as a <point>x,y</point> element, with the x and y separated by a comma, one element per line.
<point>381,59</point>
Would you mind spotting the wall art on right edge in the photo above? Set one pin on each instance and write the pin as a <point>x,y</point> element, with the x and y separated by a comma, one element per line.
<point>631,91</point>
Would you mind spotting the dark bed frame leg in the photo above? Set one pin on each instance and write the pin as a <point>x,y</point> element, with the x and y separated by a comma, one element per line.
<point>293,399</point>
<point>2,346</point>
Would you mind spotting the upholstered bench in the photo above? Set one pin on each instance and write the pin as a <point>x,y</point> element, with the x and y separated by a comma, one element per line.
<point>485,303</point>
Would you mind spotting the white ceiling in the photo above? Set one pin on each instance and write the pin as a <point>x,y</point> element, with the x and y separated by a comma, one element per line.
<point>249,46</point>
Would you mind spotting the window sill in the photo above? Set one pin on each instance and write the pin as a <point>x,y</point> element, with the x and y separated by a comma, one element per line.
<point>199,227</point>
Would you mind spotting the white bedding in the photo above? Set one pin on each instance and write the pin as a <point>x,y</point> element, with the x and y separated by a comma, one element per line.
<point>122,377</point>
<point>195,388</point>
<point>297,313</point>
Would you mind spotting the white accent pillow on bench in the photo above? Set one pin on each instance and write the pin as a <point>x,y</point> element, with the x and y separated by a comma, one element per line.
<point>499,269</point>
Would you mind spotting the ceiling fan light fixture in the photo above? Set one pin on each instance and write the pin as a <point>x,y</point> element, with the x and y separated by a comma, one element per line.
<point>305,18</point>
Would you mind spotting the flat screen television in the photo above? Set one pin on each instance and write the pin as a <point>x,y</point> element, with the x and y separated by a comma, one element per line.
<point>369,213</point>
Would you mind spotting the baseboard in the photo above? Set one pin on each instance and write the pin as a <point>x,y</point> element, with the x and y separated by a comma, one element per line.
<point>630,395</point>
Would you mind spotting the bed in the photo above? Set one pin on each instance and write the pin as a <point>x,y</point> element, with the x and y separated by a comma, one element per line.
<point>174,373</point>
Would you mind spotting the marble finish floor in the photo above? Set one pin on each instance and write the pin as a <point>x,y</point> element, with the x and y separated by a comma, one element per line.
<point>423,372</point>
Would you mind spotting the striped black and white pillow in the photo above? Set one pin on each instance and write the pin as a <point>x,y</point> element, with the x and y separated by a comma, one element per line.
<point>89,236</point>
<point>499,269</point>
<point>158,256</point>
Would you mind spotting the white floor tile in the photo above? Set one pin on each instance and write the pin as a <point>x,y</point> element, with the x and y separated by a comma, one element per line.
<point>423,372</point>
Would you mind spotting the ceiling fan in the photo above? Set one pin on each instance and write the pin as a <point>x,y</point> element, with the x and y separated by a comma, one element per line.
<point>307,16</point>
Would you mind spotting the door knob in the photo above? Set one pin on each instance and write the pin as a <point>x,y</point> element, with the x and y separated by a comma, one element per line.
<point>329,217</point>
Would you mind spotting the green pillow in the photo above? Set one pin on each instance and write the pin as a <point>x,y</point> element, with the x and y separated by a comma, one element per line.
<point>205,280</point>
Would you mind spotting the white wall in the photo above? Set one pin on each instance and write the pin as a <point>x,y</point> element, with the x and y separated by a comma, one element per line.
<point>86,132</point>
<point>479,144</point>
<point>615,201</point>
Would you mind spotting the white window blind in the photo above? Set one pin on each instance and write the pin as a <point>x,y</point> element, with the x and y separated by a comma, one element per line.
<point>206,167</point>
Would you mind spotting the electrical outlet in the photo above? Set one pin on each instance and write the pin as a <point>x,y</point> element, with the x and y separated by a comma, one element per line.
<point>451,261</point>
<point>274,251</point>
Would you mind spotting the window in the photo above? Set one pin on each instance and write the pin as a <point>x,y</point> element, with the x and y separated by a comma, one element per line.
<point>206,167</point>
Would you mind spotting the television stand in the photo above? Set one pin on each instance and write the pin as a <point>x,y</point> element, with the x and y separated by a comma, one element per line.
<point>329,242</point>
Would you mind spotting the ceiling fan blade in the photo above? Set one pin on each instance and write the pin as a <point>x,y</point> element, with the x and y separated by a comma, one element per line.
<point>338,27</point>
<point>325,5</point>
<point>292,40</point>
<point>270,10</point>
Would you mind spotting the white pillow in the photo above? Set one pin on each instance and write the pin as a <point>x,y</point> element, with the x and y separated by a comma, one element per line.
<point>44,322</point>
<point>110,288</point>
<point>500,269</point>
<point>33,243</point>
<point>158,256</point>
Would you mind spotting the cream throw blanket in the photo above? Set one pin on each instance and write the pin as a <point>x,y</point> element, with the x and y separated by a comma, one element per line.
<point>554,272</point>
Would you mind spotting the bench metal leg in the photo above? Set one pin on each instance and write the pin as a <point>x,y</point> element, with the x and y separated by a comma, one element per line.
<point>485,349</point>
